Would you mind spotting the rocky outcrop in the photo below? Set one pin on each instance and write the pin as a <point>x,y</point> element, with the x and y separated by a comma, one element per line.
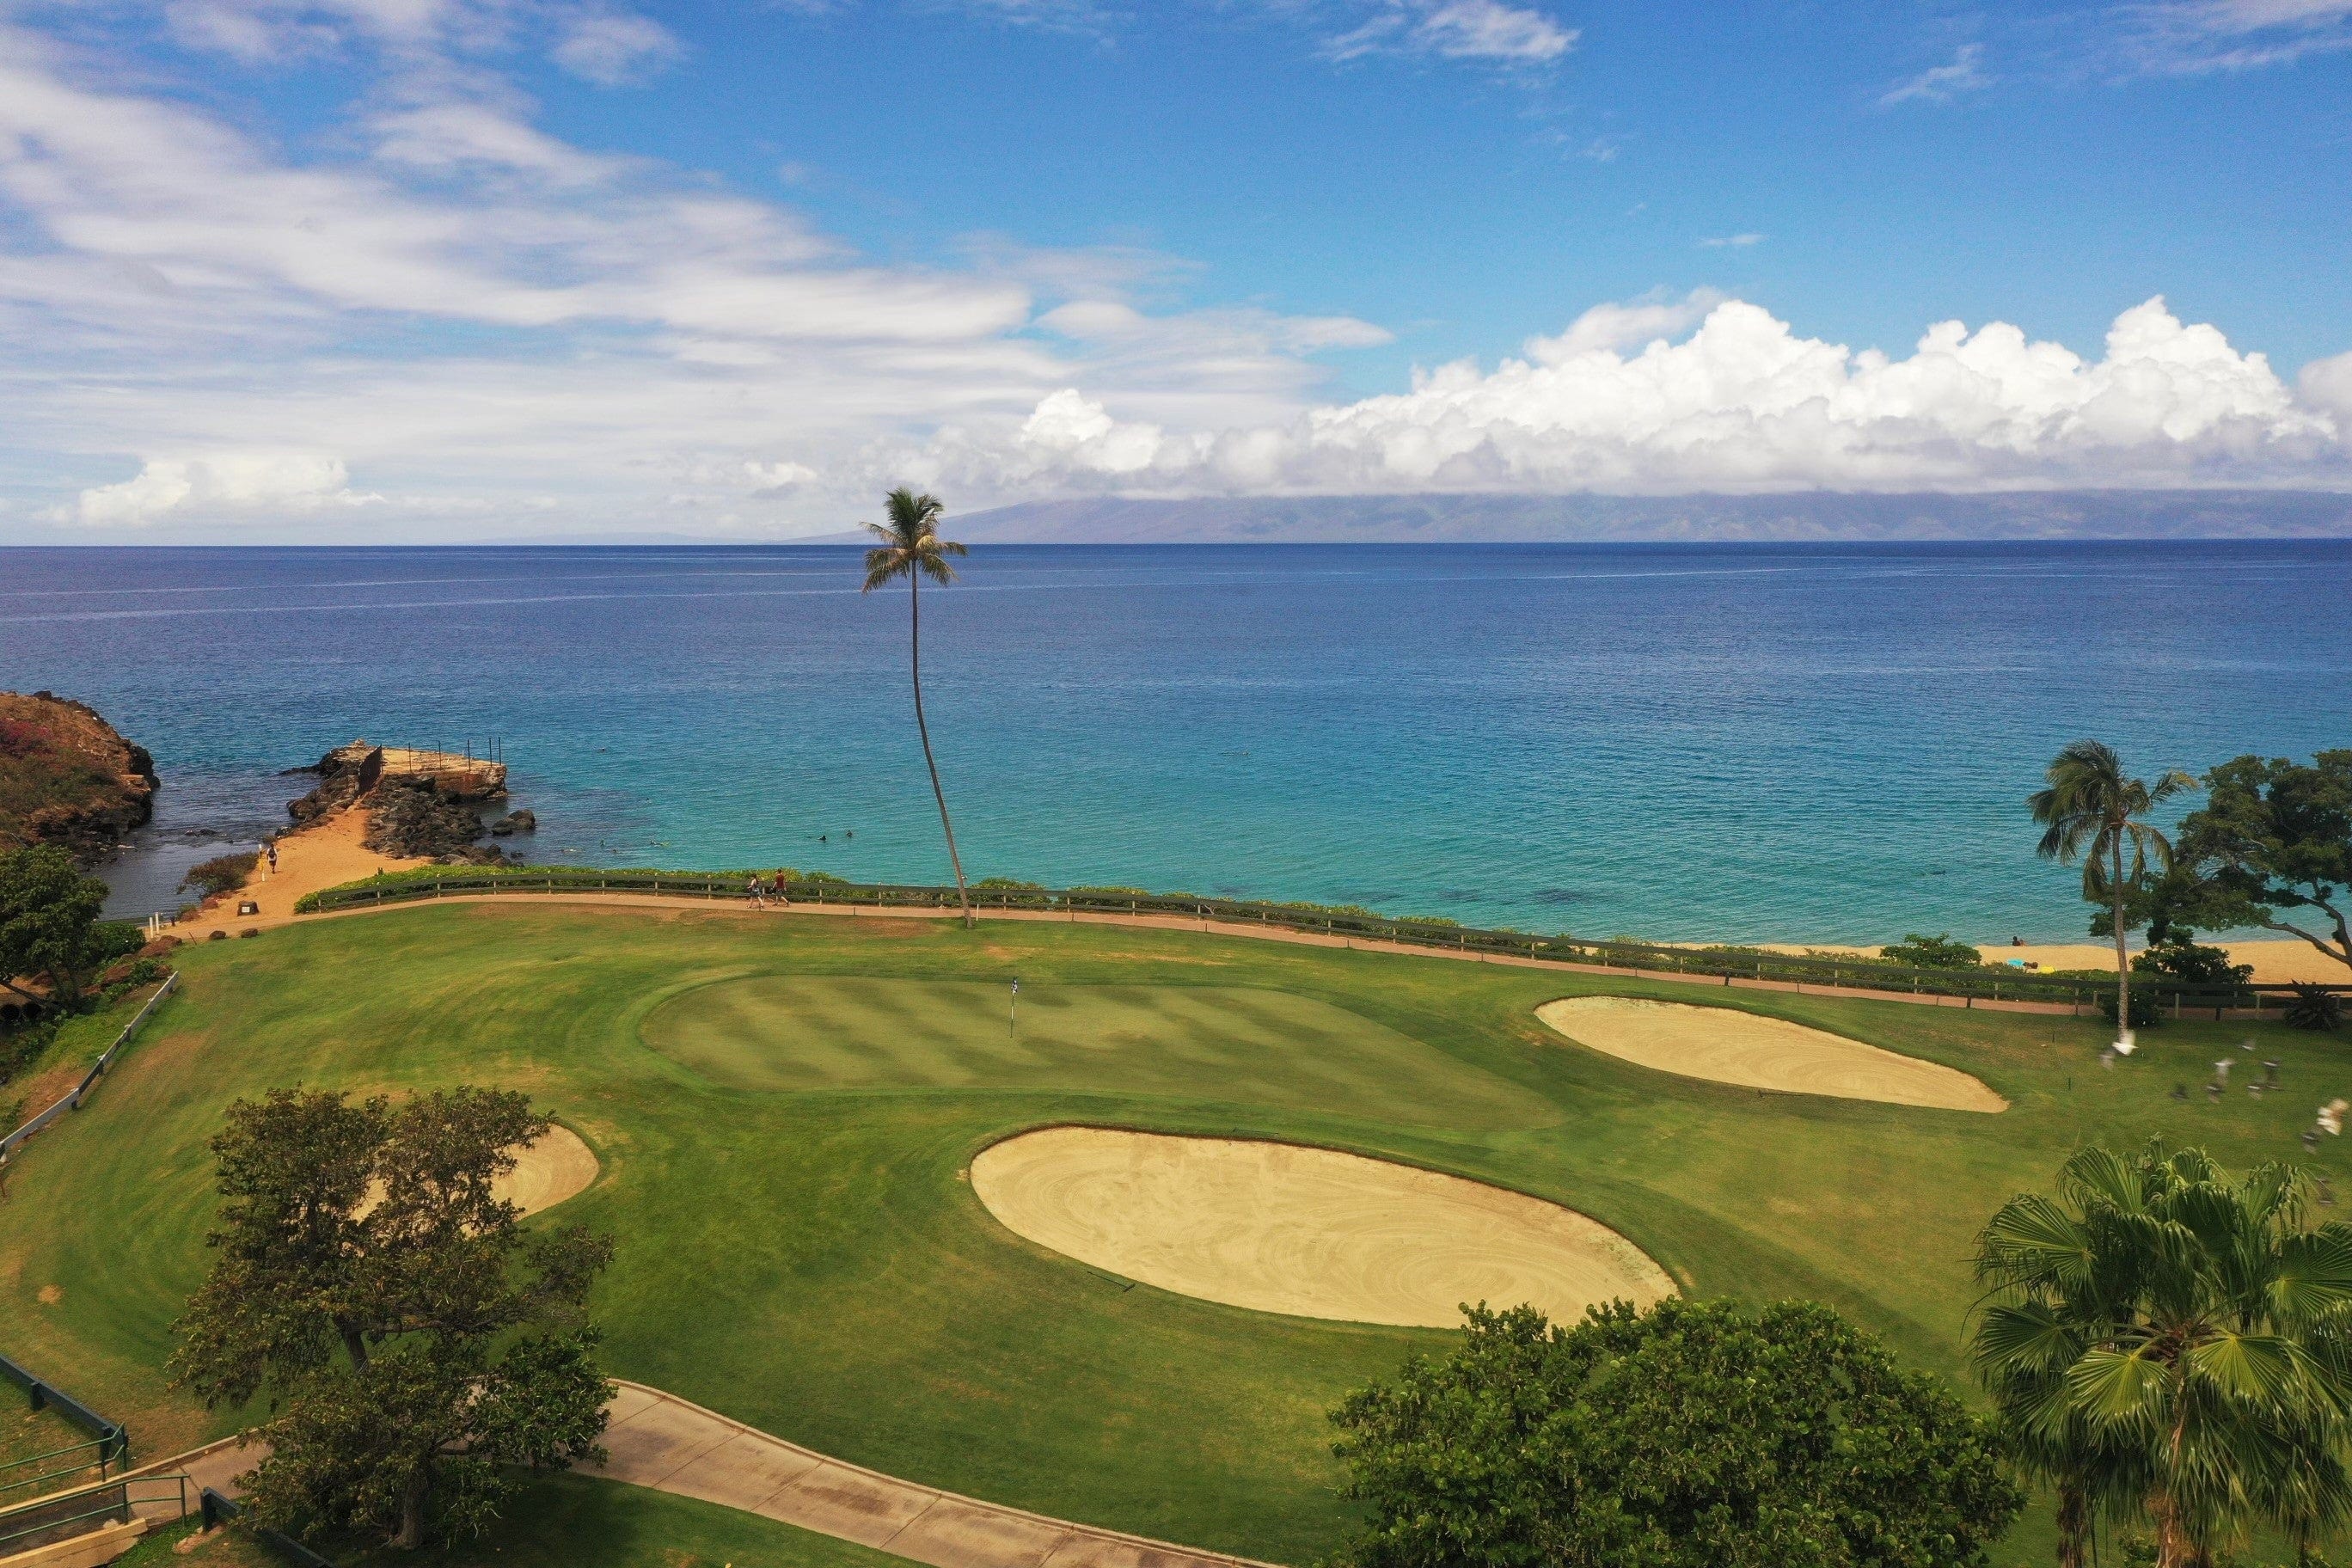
<point>418,803</point>
<point>413,821</point>
<point>67,777</point>
<point>523,821</point>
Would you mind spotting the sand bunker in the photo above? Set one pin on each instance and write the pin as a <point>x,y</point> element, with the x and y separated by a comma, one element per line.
<point>1309,1232</point>
<point>1732,1047</point>
<point>557,1167</point>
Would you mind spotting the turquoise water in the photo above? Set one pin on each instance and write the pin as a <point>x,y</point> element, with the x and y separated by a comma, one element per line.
<point>1749,743</point>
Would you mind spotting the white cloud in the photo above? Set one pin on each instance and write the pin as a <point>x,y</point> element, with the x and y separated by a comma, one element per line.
<point>614,48</point>
<point>1625,325</point>
<point>1746,404</point>
<point>1730,241</point>
<point>2328,383</point>
<point>1457,29</point>
<point>1941,84</point>
<point>483,319</point>
<point>241,482</point>
<point>1074,431</point>
<point>2192,36</point>
<point>468,310</point>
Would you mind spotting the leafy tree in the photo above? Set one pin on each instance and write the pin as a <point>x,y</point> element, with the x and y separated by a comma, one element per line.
<point>2276,836</point>
<point>911,548</point>
<point>1939,951</point>
<point>415,1341</point>
<point>1695,1435</point>
<point>2163,1339</point>
<point>2092,813</point>
<point>48,924</point>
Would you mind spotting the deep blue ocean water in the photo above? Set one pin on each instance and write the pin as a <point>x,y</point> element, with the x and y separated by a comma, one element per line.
<point>1747,742</point>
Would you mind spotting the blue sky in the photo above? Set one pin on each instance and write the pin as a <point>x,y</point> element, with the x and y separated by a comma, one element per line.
<point>478,268</point>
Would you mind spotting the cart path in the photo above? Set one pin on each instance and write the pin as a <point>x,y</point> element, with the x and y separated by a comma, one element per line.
<point>657,1440</point>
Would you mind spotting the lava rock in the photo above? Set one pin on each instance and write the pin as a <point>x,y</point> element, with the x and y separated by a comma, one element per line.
<point>414,823</point>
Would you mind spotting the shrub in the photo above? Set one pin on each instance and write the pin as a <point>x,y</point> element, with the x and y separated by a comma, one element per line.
<point>1938,951</point>
<point>1009,885</point>
<point>2314,1008</point>
<point>1695,1435</point>
<point>2144,1014</point>
<point>2190,963</point>
<point>221,874</point>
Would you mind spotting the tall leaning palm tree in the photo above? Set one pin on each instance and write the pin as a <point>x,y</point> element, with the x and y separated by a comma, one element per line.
<point>911,548</point>
<point>2166,1342</point>
<point>2092,813</point>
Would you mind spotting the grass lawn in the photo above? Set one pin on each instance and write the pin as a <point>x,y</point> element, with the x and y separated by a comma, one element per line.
<point>784,1107</point>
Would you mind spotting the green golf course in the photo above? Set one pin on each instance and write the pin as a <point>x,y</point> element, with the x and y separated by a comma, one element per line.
<point>783,1109</point>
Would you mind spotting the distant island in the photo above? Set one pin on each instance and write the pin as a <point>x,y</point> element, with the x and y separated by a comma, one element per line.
<point>67,777</point>
<point>1810,516</point>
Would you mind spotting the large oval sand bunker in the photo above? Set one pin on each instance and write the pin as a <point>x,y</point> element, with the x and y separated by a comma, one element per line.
<point>1310,1232</point>
<point>1728,1046</point>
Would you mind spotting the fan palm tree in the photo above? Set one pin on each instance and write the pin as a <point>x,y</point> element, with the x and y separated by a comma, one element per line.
<point>2160,1337</point>
<point>2092,814</point>
<point>911,548</point>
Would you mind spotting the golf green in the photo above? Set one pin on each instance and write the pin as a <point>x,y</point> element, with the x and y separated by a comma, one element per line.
<point>784,1109</point>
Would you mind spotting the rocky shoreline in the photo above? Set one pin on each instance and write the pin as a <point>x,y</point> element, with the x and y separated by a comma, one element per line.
<point>68,777</point>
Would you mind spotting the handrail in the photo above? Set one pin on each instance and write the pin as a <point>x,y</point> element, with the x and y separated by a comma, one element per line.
<point>89,1079</point>
<point>1992,982</point>
<point>104,1446</point>
<point>60,1516</point>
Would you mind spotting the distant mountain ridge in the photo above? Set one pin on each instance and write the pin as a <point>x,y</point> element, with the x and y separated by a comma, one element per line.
<point>1812,515</point>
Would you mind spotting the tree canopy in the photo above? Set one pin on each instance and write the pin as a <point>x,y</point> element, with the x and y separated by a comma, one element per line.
<point>1695,1435</point>
<point>2274,843</point>
<point>413,1340</point>
<point>2165,1341</point>
<point>50,928</point>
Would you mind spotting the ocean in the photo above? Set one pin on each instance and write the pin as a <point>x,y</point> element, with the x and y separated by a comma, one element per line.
<point>1737,743</point>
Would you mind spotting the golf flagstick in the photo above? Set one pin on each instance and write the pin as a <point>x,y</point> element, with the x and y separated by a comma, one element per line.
<point>1012,1014</point>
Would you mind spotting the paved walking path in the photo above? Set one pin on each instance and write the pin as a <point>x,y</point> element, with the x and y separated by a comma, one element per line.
<point>658,1440</point>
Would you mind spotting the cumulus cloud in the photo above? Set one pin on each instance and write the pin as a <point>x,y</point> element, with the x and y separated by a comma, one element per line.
<point>243,482</point>
<point>1744,404</point>
<point>1625,325</point>
<point>1939,84</point>
<point>2328,383</point>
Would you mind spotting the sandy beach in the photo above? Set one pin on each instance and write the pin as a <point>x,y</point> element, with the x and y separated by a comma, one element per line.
<point>325,854</point>
<point>2276,960</point>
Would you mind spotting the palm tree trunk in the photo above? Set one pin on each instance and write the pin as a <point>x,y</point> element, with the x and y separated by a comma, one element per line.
<point>2074,1525</point>
<point>915,644</point>
<point>2123,958</point>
